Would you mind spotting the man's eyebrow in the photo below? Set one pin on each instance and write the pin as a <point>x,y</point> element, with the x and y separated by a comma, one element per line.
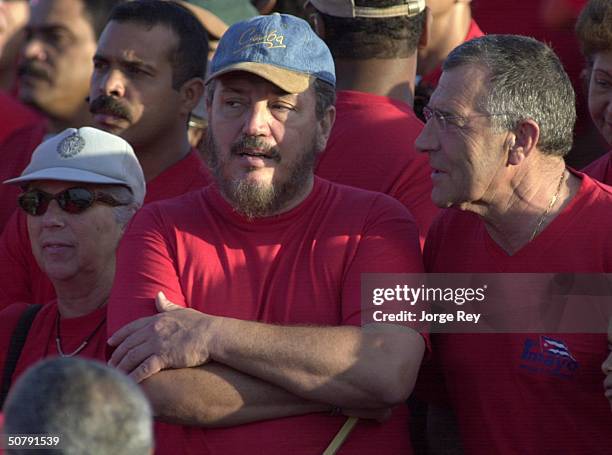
<point>48,28</point>
<point>605,72</point>
<point>130,62</point>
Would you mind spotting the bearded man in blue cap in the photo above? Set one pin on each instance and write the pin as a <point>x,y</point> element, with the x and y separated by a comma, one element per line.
<point>239,305</point>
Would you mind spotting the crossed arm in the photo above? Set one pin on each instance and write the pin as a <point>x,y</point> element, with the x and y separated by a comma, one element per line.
<point>221,371</point>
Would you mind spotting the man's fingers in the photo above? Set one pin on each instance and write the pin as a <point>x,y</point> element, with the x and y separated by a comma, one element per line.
<point>133,340</point>
<point>163,304</point>
<point>148,368</point>
<point>125,331</point>
<point>133,358</point>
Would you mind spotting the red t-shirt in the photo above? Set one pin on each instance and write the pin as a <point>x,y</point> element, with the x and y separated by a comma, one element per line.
<point>14,115</point>
<point>508,395</point>
<point>372,147</point>
<point>23,281</point>
<point>601,169</point>
<point>40,342</point>
<point>16,151</point>
<point>301,267</point>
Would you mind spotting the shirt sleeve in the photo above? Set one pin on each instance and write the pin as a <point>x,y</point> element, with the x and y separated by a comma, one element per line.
<point>389,244</point>
<point>145,266</point>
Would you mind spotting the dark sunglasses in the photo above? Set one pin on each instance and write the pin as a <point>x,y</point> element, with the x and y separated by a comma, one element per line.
<point>73,200</point>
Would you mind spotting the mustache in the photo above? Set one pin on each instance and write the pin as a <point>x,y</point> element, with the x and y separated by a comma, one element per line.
<point>28,68</point>
<point>249,142</point>
<point>109,105</point>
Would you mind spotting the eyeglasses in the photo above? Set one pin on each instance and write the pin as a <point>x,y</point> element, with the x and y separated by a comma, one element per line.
<point>445,120</point>
<point>72,200</point>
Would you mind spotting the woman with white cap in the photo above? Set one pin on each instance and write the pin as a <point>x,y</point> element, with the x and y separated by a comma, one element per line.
<point>80,190</point>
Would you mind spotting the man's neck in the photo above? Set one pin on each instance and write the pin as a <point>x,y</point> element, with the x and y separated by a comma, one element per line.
<point>160,154</point>
<point>447,32</point>
<point>384,77</point>
<point>8,78</point>
<point>79,119</point>
<point>522,209</point>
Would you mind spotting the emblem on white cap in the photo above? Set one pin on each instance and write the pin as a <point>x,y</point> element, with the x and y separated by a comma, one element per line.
<point>71,145</point>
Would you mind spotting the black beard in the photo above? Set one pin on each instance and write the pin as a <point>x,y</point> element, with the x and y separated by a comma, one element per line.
<point>255,200</point>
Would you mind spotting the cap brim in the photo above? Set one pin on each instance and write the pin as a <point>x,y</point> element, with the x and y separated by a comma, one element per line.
<point>289,81</point>
<point>65,174</point>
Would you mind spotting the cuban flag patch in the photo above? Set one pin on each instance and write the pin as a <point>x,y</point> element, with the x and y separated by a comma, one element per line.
<point>555,347</point>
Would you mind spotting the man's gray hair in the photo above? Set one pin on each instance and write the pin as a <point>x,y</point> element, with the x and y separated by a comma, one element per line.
<point>526,81</point>
<point>92,408</point>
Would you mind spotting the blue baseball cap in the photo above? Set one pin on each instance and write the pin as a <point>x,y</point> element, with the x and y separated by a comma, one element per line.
<point>280,48</point>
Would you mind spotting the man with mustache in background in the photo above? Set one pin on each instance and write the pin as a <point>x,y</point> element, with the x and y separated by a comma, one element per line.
<point>53,79</point>
<point>147,77</point>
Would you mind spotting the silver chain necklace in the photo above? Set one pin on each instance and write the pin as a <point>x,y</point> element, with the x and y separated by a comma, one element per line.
<point>58,342</point>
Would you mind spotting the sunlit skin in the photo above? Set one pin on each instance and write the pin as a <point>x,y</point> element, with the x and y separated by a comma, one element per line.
<point>132,65</point>
<point>13,16</point>
<point>245,105</point>
<point>600,94</point>
<point>467,157</point>
<point>74,248</point>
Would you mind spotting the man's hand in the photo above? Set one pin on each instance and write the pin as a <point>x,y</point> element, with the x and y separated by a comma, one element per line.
<point>177,337</point>
<point>607,367</point>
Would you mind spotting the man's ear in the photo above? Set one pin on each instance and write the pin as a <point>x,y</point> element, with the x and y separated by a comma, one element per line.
<point>325,127</point>
<point>523,141</point>
<point>190,93</point>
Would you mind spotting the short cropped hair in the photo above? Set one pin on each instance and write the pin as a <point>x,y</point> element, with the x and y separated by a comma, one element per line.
<point>594,28</point>
<point>526,81</point>
<point>365,38</point>
<point>190,56</point>
<point>92,408</point>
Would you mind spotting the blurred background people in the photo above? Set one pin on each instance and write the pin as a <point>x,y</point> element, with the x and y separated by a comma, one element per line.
<point>57,61</point>
<point>594,31</point>
<point>92,408</point>
<point>451,24</point>
<point>13,17</point>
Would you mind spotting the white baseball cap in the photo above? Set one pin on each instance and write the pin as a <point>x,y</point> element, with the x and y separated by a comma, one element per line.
<point>86,155</point>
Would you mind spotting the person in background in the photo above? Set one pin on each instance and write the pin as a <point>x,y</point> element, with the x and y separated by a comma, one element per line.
<point>451,24</point>
<point>89,406</point>
<point>13,17</point>
<point>594,31</point>
<point>53,77</point>
<point>148,71</point>
<point>374,45</point>
<point>80,190</point>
